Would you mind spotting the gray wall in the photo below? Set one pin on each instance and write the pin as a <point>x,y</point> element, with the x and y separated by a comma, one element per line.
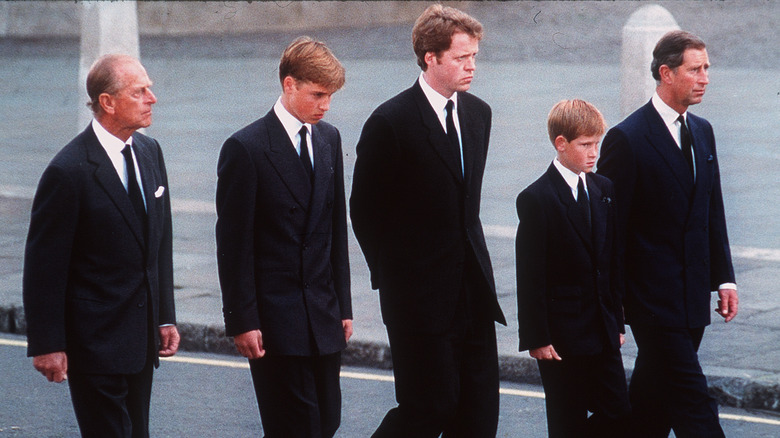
<point>48,18</point>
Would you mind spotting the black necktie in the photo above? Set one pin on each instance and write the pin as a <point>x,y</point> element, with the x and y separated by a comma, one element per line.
<point>305,160</point>
<point>685,143</point>
<point>133,190</point>
<point>583,202</point>
<point>452,134</point>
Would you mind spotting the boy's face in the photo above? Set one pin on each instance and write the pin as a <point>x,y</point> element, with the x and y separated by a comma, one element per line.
<point>307,101</point>
<point>580,154</point>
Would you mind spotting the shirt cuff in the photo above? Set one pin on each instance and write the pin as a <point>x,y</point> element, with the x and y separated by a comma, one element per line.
<point>728,286</point>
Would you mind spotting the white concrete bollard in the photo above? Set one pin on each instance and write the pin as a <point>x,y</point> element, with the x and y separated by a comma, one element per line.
<point>640,34</point>
<point>106,27</point>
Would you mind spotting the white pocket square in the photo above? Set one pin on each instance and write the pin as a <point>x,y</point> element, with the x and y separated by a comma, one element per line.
<point>159,192</point>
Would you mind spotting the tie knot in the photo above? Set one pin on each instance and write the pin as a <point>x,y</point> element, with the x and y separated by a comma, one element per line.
<point>450,105</point>
<point>681,119</point>
<point>303,131</point>
<point>127,150</point>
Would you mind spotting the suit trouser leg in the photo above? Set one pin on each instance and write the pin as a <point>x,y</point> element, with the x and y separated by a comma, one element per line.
<point>298,396</point>
<point>668,389</point>
<point>579,384</point>
<point>444,383</point>
<point>112,405</point>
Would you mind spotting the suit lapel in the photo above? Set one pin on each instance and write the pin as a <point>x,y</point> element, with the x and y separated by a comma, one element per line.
<point>323,169</point>
<point>573,212</point>
<point>436,135</point>
<point>661,139</point>
<point>107,178</point>
<point>281,154</point>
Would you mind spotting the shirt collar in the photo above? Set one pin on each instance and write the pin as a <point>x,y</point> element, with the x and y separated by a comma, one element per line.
<point>570,177</point>
<point>291,124</point>
<point>109,141</point>
<point>437,101</point>
<point>666,112</point>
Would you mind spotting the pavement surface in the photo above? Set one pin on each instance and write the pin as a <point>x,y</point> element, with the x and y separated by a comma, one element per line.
<point>534,54</point>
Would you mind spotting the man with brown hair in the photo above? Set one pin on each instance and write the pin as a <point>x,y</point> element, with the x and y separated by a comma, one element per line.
<point>282,248</point>
<point>671,219</point>
<point>98,268</point>
<point>415,211</point>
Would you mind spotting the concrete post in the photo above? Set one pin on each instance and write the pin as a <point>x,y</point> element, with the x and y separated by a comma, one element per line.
<point>106,27</point>
<point>640,34</point>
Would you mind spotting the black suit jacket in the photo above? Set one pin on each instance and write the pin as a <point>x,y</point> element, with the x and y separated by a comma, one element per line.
<point>414,213</point>
<point>89,277</point>
<point>567,295</point>
<point>281,243</point>
<point>673,231</point>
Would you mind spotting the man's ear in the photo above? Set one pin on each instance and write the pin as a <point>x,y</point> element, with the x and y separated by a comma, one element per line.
<point>430,58</point>
<point>106,103</point>
<point>665,73</point>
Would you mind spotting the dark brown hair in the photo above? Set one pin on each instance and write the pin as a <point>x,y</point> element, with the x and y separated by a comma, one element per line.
<point>670,49</point>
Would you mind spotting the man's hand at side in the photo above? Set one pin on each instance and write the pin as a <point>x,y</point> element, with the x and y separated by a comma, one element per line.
<point>52,365</point>
<point>250,344</point>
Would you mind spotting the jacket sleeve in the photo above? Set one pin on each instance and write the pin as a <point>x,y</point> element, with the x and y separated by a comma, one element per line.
<point>530,262</point>
<point>53,224</point>
<point>372,190</point>
<point>165,256</point>
<point>236,194</point>
<point>339,246</point>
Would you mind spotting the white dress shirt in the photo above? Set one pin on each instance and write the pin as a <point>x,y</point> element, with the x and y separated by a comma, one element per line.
<point>293,126</point>
<point>571,178</point>
<point>113,147</point>
<point>669,116</point>
<point>439,104</point>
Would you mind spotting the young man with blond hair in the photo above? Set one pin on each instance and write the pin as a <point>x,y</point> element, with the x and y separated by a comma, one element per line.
<point>570,311</point>
<point>282,248</point>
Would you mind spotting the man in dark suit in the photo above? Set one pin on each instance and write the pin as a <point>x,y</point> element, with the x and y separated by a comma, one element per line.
<point>98,270</point>
<point>672,228</point>
<point>282,248</point>
<point>568,302</point>
<point>415,211</point>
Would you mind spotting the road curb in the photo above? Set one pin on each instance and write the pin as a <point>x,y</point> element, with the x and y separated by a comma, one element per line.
<point>735,388</point>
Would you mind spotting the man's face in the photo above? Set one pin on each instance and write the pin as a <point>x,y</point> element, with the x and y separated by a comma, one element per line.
<point>453,70</point>
<point>580,154</point>
<point>132,104</point>
<point>688,82</point>
<point>307,101</point>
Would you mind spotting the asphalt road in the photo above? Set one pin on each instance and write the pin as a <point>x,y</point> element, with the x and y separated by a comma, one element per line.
<point>206,395</point>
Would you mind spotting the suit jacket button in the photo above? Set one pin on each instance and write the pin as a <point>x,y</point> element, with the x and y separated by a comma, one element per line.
<point>141,304</point>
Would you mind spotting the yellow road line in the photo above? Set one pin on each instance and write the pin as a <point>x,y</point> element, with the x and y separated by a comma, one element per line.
<point>383,378</point>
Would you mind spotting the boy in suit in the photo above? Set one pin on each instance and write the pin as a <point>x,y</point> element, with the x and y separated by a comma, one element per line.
<point>282,248</point>
<point>569,306</point>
